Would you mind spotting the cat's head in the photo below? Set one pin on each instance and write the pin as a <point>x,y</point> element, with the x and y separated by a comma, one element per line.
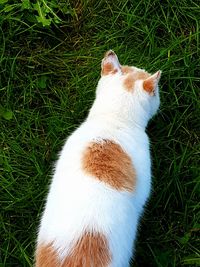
<point>132,91</point>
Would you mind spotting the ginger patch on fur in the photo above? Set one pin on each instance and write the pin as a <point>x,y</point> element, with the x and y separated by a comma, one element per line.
<point>132,76</point>
<point>126,69</point>
<point>109,163</point>
<point>46,256</point>
<point>129,82</point>
<point>91,250</point>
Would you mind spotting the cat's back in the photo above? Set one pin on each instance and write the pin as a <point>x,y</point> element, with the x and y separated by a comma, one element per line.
<point>93,188</point>
<point>96,154</point>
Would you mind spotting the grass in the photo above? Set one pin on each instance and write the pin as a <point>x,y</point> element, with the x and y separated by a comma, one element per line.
<point>47,85</point>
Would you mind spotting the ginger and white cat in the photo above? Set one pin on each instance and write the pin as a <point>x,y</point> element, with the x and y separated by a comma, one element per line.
<point>102,178</point>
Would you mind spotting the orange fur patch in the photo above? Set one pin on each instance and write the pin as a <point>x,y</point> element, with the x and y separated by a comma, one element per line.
<point>142,75</point>
<point>109,163</point>
<point>46,256</point>
<point>129,82</point>
<point>91,250</point>
<point>108,68</point>
<point>132,76</point>
<point>126,69</point>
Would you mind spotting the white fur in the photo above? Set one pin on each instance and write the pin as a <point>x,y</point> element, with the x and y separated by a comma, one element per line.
<point>77,201</point>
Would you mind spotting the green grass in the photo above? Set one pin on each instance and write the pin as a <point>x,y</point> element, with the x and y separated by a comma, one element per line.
<point>47,84</point>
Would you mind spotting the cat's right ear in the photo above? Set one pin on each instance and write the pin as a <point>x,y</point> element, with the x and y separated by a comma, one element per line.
<point>110,64</point>
<point>150,83</point>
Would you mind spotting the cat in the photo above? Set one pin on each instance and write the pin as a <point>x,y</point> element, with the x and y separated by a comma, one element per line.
<point>102,178</point>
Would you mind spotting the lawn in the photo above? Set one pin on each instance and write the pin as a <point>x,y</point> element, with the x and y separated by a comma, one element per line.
<point>49,67</point>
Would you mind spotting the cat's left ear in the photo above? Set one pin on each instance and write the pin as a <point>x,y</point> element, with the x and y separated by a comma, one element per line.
<point>110,64</point>
<point>151,83</point>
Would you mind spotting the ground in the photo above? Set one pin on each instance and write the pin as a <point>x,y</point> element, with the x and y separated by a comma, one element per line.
<point>48,73</point>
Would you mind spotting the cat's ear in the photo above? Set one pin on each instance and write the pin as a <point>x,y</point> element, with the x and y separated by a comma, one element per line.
<point>110,64</point>
<point>151,83</point>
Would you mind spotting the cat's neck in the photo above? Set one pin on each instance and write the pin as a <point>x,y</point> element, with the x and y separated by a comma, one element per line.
<point>117,113</point>
<point>114,121</point>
